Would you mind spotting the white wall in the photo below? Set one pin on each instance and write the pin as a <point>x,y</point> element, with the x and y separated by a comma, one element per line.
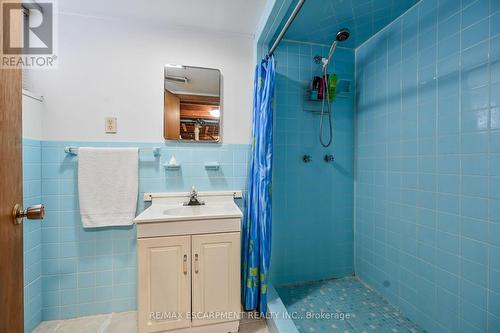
<point>33,112</point>
<point>115,68</point>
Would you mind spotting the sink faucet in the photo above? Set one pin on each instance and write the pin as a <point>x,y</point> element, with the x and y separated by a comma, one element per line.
<point>193,198</point>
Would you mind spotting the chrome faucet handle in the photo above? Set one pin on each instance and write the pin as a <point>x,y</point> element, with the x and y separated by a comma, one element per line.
<point>329,158</point>
<point>194,192</point>
<point>193,198</point>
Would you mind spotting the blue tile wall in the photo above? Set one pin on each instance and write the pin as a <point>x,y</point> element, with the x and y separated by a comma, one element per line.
<point>90,271</point>
<point>32,235</point>
<point>319,21</point>
<point>427,226</point>
<point>312,203</point>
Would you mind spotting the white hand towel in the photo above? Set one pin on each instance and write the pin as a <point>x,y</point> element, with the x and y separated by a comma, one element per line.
<point>107,186</point>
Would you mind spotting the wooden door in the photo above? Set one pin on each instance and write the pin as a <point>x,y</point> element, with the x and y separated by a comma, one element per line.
<point>164,283</point>
<point>11,235</point>
<point>216,277</point>
<point>172,117</point>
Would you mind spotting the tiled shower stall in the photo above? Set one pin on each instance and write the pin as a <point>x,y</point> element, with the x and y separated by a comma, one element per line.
<point>411,204</point>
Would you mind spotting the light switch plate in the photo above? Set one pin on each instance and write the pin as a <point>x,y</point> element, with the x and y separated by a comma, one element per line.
<point>110,125</point>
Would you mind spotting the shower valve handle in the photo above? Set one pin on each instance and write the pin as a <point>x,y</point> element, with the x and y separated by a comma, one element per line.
<point>329,158</point>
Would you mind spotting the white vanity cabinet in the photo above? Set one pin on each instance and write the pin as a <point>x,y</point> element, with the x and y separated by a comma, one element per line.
<point>216,276</point>
<point>189,269</point>
<point>164,279</point>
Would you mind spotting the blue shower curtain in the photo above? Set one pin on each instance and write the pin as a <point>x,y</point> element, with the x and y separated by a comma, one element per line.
<point>256,235</point>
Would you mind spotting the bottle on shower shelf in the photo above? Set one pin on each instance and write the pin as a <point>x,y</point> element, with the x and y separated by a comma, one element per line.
<point>332,86</point>
<point>321,89</point>
<point>315,88</point>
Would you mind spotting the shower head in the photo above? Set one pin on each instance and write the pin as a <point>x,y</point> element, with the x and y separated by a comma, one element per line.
<point>342,35</point>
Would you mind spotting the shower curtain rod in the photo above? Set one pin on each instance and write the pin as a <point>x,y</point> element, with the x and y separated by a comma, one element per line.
<point>285,28</point>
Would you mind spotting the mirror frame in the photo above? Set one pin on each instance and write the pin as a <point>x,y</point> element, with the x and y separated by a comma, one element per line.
<point>221,114</point>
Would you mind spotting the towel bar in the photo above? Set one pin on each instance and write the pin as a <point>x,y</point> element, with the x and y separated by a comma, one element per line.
<point>74,150</point>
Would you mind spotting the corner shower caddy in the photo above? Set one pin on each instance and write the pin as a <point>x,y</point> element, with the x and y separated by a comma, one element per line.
<point>343,90</point>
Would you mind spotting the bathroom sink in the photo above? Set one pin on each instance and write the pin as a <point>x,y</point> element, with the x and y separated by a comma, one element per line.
<point>193,210</point>
<point>170,208</point>
<point>167,215</point>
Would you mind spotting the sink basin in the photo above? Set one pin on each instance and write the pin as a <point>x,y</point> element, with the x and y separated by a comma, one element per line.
<point>193,210</point>
<point>177,212</point>
<point>168,217</point>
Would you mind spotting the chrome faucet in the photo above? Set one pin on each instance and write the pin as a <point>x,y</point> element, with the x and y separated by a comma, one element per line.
<point>193,198</point>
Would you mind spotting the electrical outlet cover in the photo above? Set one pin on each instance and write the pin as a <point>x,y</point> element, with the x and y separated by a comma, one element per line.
<point>110,125</point>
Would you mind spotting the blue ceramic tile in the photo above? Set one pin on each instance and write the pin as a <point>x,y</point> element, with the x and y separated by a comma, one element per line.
<point>474,318</point>
<point>104,278</point>
<point>494,233</point>
<point>494,282</point>
<point>475,273</point>
<point>50,299</point>
<point>448,281</point>
<point>67,312</point>
<point>50,283</point>
<point>476,55</point>
<point>475,186</point>
<point>68,281</point>
<point>475,229</point>
<point>475,12</point>
<point>448,242</point>
<point>494,186</point>
<point>495,23</point>
<point>86,279</point>
<point>86,295</point>
<point>475,33</point>
<point>51,313</point>
<point>69,296</point>
<point>474,294</point>
<point>475,164</point>
<point>495,141</point>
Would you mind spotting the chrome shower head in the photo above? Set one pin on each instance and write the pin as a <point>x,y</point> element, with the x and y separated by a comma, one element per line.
<point>342,35</point>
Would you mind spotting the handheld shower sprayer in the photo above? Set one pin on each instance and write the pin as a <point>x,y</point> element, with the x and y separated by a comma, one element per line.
<point>342,35</point>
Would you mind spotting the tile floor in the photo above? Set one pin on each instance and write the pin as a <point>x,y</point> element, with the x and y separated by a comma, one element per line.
<point>124,322</point>
<point>367,310</point>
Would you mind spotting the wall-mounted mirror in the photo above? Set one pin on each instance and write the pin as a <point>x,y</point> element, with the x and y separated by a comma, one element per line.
<point>192,104</point>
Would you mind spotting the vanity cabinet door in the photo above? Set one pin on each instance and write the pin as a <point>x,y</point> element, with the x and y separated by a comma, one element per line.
<point>216,278</point>
<point>164,283</point>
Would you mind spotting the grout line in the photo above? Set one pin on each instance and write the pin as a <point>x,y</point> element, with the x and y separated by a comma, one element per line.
<point>316,44</point>
<point>460,184</point>
<point>488,254</point>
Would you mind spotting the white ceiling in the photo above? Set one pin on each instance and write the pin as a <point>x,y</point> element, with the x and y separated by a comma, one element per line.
<point>233,16</point>
<point>201,81</point>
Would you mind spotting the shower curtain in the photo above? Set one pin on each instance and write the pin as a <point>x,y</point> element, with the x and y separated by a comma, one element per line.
<point>256,236</point>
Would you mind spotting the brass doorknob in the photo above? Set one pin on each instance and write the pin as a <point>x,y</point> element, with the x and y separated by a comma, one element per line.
<point>36,212</point>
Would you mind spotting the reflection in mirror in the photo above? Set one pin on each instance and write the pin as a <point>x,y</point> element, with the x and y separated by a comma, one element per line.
<point>192,104</point>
